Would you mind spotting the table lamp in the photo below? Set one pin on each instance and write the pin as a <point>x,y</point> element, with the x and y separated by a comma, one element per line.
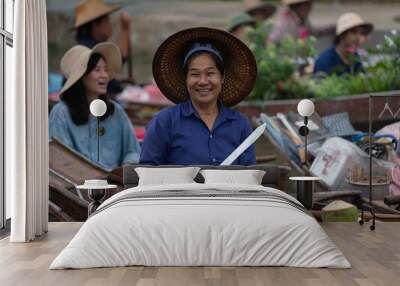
<point>98,108</point>
<point>305,108</point>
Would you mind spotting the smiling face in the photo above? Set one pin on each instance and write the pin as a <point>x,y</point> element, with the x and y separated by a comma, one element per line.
<point>351,39</point>
<point>203,79</point>
<point>96,81</point>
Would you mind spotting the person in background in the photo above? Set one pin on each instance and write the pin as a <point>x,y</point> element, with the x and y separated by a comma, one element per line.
<point>293,21</point>
<point>204,71</point>
<point>342,57</point>
<point>240,24</point>
<point>93,26</point>
<point>87,72</point>
<point>259,10</point>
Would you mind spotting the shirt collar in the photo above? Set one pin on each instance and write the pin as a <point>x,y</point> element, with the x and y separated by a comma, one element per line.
<point>189,110</point>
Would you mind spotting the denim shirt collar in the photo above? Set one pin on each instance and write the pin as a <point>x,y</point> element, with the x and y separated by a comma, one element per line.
<point>224,112</point>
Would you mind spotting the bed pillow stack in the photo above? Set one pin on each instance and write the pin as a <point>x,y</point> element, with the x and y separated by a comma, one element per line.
<point>184,175</point>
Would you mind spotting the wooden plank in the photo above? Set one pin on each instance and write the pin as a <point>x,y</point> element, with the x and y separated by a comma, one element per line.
<point>374,255</point>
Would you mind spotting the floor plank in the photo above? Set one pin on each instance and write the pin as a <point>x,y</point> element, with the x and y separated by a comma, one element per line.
<point>374,255</point>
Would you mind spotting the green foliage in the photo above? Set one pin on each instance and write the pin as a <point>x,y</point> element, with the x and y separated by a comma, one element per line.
<point>279,65</point>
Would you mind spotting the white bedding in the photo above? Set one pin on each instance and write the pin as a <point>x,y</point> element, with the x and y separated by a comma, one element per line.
<point>183,231</point>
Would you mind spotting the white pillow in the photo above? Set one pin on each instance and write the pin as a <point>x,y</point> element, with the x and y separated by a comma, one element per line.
<point>166,176</point>
<point>248,177</point>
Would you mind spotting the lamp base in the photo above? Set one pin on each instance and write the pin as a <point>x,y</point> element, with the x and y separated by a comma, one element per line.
<point>96,195</point>
<point>305,191</point>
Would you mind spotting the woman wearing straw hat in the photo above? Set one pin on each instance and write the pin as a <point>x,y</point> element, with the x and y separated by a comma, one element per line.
<point>293,21</point>
<point>342,56</point>
<point>259,10</point>
<point>239,25</point>
<point>93,26</point>
<point>88,72</point>
<point>204,71</point>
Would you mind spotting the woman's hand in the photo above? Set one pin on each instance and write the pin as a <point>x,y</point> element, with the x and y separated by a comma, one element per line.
<point>125,20</point>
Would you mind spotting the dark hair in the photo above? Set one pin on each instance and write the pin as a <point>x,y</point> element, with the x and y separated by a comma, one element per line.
<point>337,39</point>
<point>218,62</point>
<point>86,29</point>
<point>76,100</point>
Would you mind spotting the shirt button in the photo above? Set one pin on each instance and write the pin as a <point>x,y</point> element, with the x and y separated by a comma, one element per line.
<point>211,136</point>
<point>214,160</point>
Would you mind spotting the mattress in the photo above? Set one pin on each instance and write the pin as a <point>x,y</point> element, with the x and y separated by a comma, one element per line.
<point>201,225</point>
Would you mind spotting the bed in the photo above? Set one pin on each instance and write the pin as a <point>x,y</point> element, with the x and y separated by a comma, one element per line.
<point>201,224</point>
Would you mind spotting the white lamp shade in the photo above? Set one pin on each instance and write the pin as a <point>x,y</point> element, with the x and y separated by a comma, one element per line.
<point>98,107</point>
<point>305,107</point>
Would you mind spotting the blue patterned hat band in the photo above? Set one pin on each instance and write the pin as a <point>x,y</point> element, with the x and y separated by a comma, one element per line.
<point>202,47</point>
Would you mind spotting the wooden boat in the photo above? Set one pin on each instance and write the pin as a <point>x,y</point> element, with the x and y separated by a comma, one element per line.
<point>355,105</point>
<point>67,170</point>
<point>67,205</point>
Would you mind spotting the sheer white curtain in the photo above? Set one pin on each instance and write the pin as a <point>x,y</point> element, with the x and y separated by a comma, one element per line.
<point>26,124</point>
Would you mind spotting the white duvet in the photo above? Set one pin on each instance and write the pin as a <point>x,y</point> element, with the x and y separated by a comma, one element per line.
<point>183,231</point>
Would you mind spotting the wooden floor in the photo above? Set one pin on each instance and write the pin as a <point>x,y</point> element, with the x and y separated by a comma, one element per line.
<point>375,256</point>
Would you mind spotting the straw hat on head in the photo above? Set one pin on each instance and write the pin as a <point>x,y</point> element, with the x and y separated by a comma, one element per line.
<point>74,62</point>
<point>239,63</point>
<point>251,6</point>
<point>238,20</point>
<point>290,2</point>
<point>90,10</point>
<point>349,21</point>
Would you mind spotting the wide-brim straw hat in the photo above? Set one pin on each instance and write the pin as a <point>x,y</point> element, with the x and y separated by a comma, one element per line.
<point>291,2</point>
<point>89,10</point>
<point>239,62</point>
<point>74,62</point>
<point>252,6</point>
<point>349,21</point>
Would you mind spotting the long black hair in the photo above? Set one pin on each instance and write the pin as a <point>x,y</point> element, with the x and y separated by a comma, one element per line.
<point>76,100</point>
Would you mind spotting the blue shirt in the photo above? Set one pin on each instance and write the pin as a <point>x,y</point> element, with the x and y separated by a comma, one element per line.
<point>118,145</point>
<point>329,62</point>
<point>178,136</point>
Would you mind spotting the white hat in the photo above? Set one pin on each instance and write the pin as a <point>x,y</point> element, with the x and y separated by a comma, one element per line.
<point>74,62</point>
<point>349,21</point>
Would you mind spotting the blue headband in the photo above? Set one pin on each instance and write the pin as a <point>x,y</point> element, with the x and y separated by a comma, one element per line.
<point>202,47</point>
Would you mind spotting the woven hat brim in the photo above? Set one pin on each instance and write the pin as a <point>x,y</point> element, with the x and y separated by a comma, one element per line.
<point>268,9</point>
<point>107,11</point>
<point>108,50</point>
<point>240,65</point>
<point>368,28</point>
<point>290,2</point>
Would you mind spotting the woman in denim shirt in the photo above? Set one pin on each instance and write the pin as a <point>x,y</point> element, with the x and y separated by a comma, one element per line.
<point>88,73</point>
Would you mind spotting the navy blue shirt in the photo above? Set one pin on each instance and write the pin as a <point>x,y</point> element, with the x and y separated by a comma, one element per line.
<point>329,62</point>
<point>178,136</point>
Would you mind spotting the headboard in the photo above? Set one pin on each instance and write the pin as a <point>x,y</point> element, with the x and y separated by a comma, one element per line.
<point>275,175</point>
